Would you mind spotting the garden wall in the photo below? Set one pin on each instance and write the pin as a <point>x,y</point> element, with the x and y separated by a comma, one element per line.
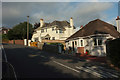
<point>20,42</point>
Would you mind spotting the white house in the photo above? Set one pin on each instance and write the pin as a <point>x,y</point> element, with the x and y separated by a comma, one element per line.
<point>56,30</point>
<point>93,37</point>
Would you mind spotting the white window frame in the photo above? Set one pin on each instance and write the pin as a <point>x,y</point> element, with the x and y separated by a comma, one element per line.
<point>97,41</point>
<point>80,43</point>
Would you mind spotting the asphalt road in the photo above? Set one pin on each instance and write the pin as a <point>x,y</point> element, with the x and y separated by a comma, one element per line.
<point>29,62</point>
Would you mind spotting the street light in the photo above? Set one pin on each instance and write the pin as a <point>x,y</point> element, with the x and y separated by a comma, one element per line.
<point>27,29</point>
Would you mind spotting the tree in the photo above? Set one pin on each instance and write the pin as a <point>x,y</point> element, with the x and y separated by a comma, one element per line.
<point>36,25</point>
<point>20,31</point>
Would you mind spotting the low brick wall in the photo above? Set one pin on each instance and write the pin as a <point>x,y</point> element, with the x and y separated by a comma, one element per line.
<point>10,41</point>
<point>21,42</point>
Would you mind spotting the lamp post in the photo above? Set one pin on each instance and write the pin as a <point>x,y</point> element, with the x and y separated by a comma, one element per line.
<point>27,29</point>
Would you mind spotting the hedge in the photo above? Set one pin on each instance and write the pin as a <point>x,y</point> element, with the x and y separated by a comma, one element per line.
<point>113,52</point>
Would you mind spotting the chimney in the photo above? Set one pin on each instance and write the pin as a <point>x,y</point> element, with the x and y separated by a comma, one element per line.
<point>41,22</point>
<point>118,24</point>
<point>71,22</point>
<point>81,26</point>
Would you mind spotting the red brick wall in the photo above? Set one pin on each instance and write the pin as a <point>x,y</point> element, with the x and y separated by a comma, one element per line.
<point>80,50</point>
<point>21,42</point>
<point>11,41</point>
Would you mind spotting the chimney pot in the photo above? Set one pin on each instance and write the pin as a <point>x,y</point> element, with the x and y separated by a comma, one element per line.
<point>81,26</point>
<point>118,18</point>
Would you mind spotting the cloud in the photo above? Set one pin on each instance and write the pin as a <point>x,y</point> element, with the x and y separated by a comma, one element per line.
<point>82,12</point>
<point>0,14</point>
<point>60,1</point>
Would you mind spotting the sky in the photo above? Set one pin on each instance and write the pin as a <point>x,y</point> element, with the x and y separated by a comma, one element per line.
<point>15,12</point>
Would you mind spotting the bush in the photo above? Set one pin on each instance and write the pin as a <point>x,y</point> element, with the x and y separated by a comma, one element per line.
<point>87,52</point>
<point>57,44</point>
<point>113,52</point>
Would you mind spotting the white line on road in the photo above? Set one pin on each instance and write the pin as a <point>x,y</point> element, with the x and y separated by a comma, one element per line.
<point>92,72</point>
<point>108,74</point>
<point>8,62</point>
<point>67,67</point>
<point>4,53</point>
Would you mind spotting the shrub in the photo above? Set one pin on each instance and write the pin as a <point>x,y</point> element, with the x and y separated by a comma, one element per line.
<point>113,52</point>
<point>87,52</point>
<point>57,44</point>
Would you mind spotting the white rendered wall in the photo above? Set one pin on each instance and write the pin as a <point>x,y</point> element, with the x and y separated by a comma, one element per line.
<point>58,36</point>
<point>118,25</point>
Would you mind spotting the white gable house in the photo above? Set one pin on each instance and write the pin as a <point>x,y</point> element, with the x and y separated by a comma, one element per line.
<point>57,30</point>
<point>92,37</point>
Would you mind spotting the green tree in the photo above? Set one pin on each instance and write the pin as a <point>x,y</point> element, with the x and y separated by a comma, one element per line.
<point>20,31</point>
<point>4,37</point>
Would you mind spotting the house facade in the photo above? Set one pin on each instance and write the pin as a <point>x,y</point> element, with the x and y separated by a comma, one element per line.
<point>56,30</point>
<point>4,30</point>
<point>93,37</point>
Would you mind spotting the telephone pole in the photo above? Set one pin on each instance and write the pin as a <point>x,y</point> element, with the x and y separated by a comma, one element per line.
<point>27,29</point>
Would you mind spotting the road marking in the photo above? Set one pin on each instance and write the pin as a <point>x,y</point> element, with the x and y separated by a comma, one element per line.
<point>96,73</point>
<point>67,67</point>
<point>8,62</point>
<point>92,72</point>
<point>107,74</point>
<point>4,53</point>
<point>108,71</point>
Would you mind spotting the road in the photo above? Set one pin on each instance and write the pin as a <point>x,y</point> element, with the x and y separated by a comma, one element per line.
<point>29,62</point>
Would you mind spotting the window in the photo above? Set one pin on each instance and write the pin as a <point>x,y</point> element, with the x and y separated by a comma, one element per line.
<point>53,38</point>
<point>81,42</point>
<point>97,41</point>
<point>42,30</point>
<point>56,31</point>
<point>36,39</point>
<point>75,42</point>
<point>60,31</point>
<point>52,28</point>
<point>68,43</point>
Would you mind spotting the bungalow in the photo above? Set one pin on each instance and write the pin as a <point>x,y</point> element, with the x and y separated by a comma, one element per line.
<point>93,37</point>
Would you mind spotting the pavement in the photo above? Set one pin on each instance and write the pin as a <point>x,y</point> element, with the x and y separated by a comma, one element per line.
<point>29,62</point>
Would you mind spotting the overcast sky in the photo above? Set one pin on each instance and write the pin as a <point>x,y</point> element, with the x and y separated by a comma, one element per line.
<point>82,12</point>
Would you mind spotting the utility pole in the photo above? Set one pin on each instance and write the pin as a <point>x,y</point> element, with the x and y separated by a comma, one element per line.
<point>27,29</point>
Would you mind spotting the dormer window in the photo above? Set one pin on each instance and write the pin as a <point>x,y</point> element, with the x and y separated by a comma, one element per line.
<point>60,31</point>
<point>56,31</point>
<point>52,28</point>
